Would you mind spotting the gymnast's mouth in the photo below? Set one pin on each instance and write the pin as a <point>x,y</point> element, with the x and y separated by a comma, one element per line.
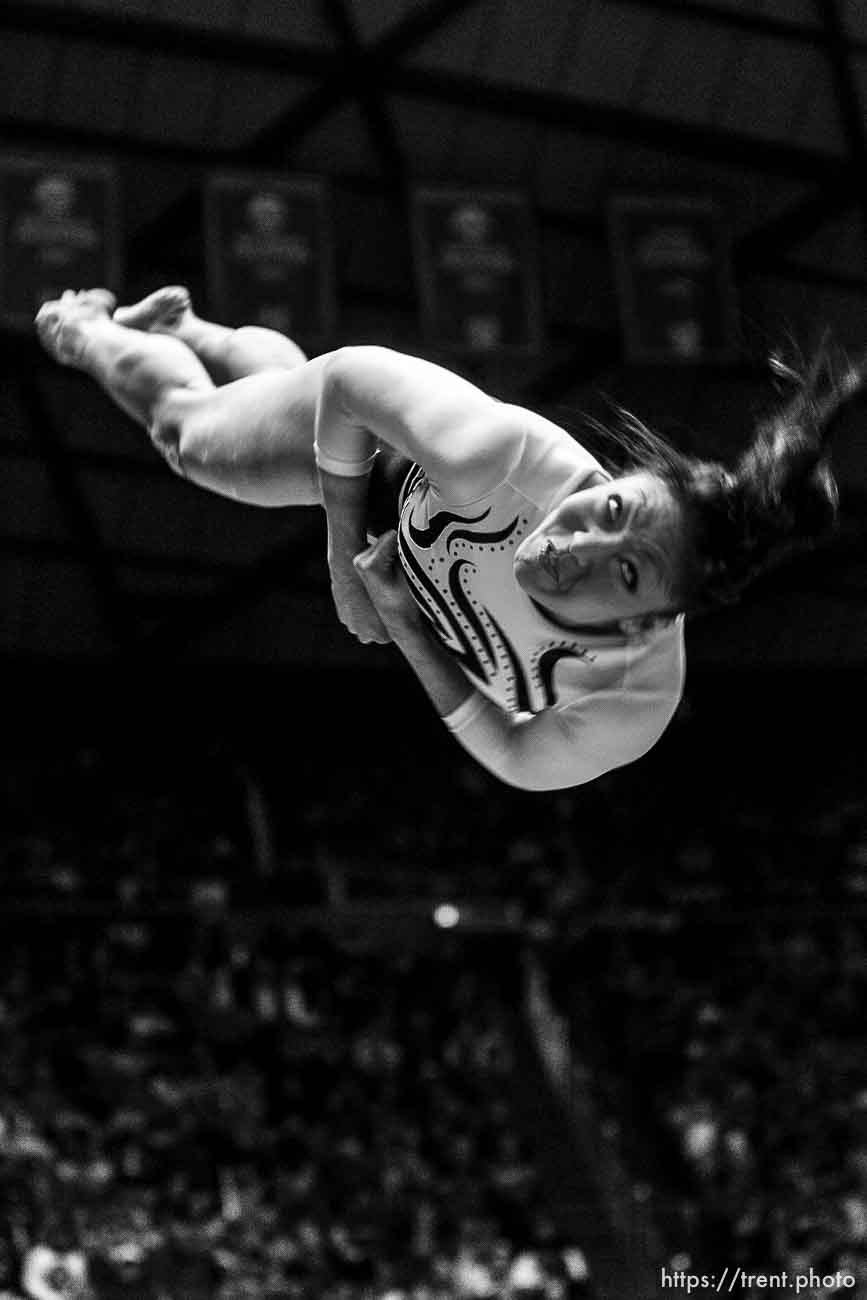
<point>548,567</point>
<point>547,560</point>
<point>563,568</point>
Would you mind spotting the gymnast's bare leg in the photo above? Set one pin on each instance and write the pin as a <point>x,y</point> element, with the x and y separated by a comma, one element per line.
<point>155,374</point>
<point>227,354</point>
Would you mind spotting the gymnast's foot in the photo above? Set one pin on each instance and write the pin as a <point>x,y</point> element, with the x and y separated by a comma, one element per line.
<point>165,311</point>
<point>170,311</point>
<point>65,325</point>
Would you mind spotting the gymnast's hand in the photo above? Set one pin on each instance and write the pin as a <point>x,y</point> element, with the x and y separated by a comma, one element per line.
<point>353,604</point>
<point>380,571</point>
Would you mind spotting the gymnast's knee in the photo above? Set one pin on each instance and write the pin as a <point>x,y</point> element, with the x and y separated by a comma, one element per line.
<point>165,434</point>
<point>252,347</point>
<point>172,428</point>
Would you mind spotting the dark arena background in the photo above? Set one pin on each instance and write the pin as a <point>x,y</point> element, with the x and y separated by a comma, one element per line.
<point>296,1000</point>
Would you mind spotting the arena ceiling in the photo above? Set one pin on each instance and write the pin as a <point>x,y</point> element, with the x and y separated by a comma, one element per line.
<point>760,104</point>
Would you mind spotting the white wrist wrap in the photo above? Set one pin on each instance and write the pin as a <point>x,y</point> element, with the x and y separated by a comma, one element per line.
<point>343,468</point>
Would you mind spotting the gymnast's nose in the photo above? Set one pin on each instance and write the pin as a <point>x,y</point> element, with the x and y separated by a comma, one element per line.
<point>591,547</point>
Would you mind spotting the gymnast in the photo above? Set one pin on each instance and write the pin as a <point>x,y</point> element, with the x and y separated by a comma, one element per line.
<point>537,592</point>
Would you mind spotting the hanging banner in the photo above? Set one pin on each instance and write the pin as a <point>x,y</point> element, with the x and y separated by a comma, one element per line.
<point>477,270</point>
<point>59,229</point>
<point>672,266</point>
<point>270,253</point>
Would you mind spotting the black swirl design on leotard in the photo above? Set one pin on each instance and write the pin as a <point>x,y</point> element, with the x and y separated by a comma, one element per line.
<point>549,660</point>
<point>463,604</point>
<point>522,691</point>
<point>465,627</point>
<point>463,534</point>
<point>425,537</point>
<point>440,617</point>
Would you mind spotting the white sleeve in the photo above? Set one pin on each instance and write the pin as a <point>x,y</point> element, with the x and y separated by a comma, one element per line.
<point>560,748</point>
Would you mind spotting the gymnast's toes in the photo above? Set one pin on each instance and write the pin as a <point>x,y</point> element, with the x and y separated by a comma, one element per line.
<point>62,323</point>
<point>160,311</point>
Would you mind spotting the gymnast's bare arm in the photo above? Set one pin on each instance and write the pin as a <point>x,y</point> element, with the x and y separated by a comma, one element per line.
<point>371,395</point>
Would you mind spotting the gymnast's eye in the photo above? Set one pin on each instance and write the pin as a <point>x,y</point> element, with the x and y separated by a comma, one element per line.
<point>614,509</point>
<point>629,575</point>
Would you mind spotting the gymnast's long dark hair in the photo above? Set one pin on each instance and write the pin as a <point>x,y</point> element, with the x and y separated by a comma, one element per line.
<point>779,496</point>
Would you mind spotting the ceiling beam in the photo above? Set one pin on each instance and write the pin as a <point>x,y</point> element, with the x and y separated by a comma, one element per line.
<point>343,68</point>
<point>131,31</point>
<point>570,114</point>
<point>727,18</point>
<point>381,128</point>
<point>245,49</point>
<point>276,141</point>
<point>381,67</point>
<point>274,144</point>
<point>562,113</point>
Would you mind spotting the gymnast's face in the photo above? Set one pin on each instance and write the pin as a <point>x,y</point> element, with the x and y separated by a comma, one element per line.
<point>607,556</point>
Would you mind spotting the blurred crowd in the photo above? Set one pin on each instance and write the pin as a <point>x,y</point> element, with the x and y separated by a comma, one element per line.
<point>199,1101</point>
<point>192,1110</point>
<point>739,1049</point>
<point>104,828</point>
<point>88,825</point>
